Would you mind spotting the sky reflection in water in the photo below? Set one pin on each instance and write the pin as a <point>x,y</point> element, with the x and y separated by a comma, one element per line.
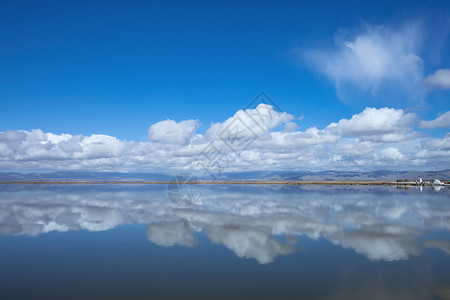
<point>328,242</point>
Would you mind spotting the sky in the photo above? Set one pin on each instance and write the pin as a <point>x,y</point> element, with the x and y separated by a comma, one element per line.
<point>141,86</point>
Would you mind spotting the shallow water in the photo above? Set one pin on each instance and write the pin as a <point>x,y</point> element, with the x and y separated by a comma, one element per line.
<point>238,241</point>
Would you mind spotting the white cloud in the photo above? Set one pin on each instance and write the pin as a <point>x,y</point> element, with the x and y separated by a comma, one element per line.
<point>356,147</point>
<point>311,136</point>
<point>99,146</point>
<point>438,80</point>
<point>250,123</point>
<point>438,144</point>
<point>377,125</point>
<point>441,121</point>
<point>378,56</point>
<point>390,154</point>
<point>171,132</point>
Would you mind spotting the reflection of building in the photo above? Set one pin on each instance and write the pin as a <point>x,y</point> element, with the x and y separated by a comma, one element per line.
<point>437,188</point>
<point>420,182</point>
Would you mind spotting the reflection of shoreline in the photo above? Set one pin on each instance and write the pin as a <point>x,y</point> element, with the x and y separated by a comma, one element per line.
<point>311,182</point>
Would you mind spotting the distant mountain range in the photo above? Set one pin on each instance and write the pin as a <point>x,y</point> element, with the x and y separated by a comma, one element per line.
<point>245,176</point>
<point>338,175</point>
<point>83,176</point>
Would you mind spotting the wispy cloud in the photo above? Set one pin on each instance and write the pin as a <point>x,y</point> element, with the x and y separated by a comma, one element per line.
<point>441,121</point>
<point>438,80</point>
<point>376,58</point>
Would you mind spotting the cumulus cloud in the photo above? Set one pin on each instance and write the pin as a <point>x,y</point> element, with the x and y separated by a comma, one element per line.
<point>356,147</point>
<point>250,123</point>
<point>32,145</point>
<point>437,144</point>
<point>441,121</point>
<point>377,125</point>
<point>377,56</point>
<point>438,80</point>
<point>172,132</point>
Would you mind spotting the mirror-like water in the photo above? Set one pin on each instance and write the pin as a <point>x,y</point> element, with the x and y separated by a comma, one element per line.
<point>262,242</point>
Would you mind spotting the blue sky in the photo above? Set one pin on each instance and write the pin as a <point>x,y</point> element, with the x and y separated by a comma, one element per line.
<point>117,68</point>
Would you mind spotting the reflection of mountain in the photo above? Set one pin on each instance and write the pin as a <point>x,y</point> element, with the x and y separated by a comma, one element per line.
<point>256,175</point>
<point>381,223</point>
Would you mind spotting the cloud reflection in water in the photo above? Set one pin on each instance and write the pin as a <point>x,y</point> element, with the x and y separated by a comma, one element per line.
<point>256,222</point>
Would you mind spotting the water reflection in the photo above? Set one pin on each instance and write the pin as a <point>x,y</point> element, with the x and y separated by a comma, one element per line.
<point>381,223</point>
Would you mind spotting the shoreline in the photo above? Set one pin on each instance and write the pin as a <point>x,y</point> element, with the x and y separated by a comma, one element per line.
<point>312,182</point>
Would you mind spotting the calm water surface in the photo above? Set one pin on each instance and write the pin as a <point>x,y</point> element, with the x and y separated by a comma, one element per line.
<point>249,242</point>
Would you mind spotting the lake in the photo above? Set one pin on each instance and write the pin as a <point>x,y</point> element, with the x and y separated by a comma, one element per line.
<point>121,241</point>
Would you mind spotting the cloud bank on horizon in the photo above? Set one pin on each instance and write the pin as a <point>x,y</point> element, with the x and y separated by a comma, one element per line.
<point>382,138</point>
